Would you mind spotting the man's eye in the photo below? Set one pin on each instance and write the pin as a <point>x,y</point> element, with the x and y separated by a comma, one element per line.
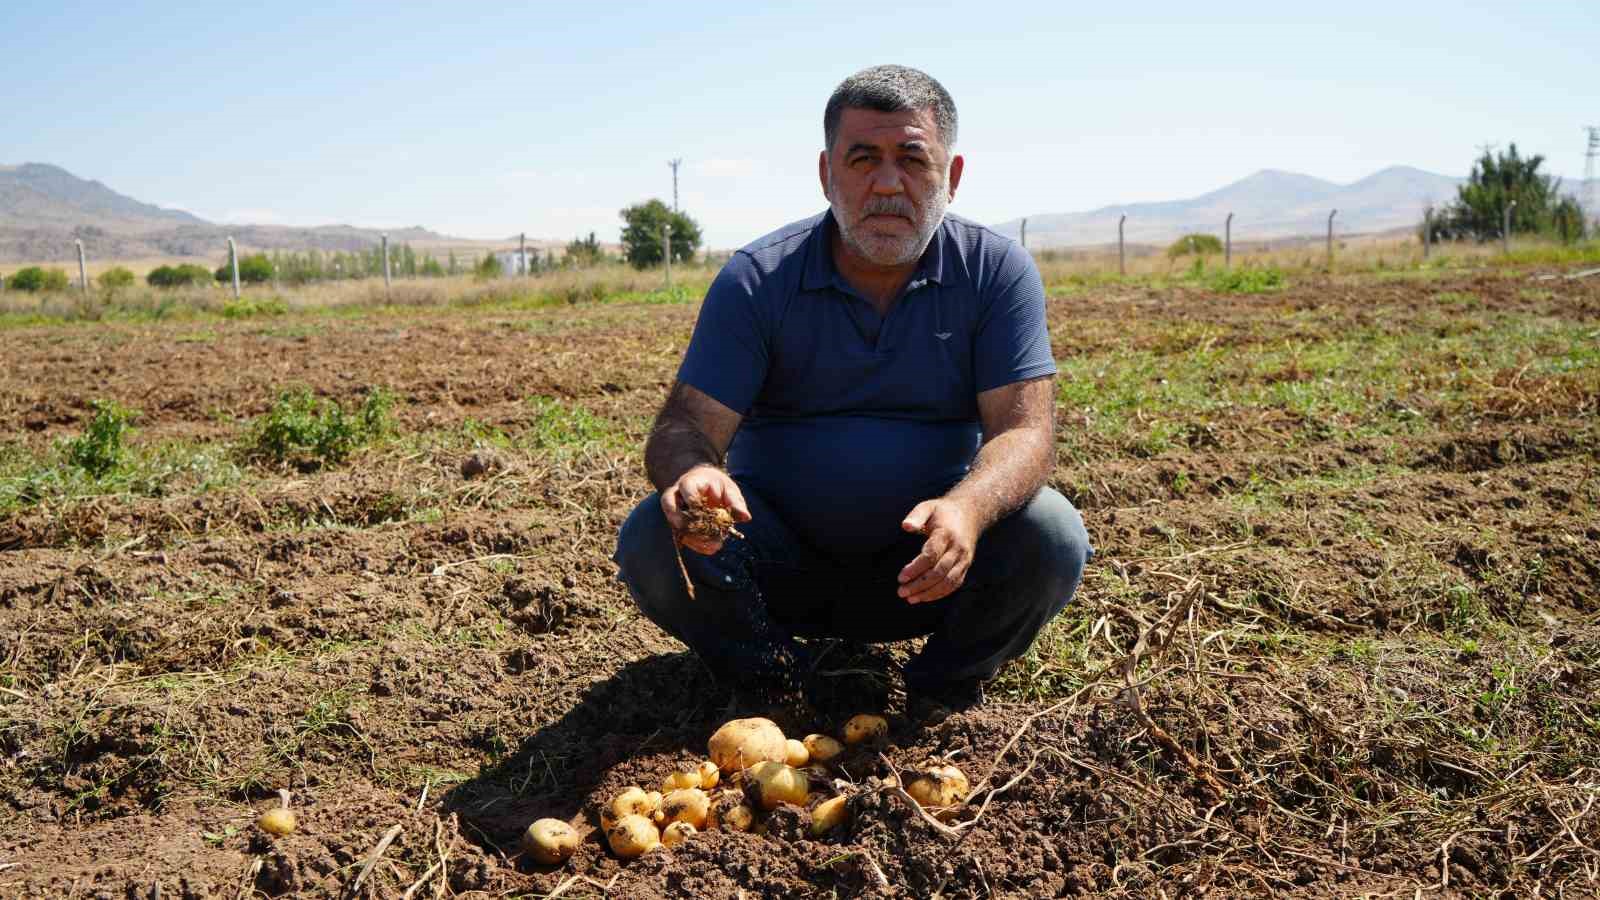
<point>916,162</point>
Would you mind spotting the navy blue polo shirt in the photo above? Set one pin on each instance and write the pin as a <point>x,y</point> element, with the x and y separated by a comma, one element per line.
<point>851,418</point>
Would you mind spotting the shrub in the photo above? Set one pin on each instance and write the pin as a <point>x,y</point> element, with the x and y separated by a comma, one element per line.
<point>1198,244</point>
<point>34,279</point>
<point>114,279</point>
<point>489,268</point>
<point>249,308</point>
<point>1247,280</point>
<point>253,269</point>
<point>308,433</point>
<point>98,451</point>
<point>178,276</point>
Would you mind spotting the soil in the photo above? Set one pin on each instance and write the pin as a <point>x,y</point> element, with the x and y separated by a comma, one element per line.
<point>432,635</point>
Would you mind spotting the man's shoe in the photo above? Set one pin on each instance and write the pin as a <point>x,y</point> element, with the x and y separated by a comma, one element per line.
<point>933,703</point>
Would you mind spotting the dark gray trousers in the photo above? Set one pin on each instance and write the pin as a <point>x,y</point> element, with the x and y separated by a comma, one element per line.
<point>758,593</point>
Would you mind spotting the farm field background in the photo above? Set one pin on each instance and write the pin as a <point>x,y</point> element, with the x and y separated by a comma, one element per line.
<point>1361,511</point>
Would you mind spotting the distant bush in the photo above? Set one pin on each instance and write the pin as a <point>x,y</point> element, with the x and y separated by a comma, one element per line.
<point>253,269</point>
<point>34,279</point>
<point>178,276</point>
<point>1199,244</point>
<point>98,451</point>
<point>308,433</point>
<point>114,279</point>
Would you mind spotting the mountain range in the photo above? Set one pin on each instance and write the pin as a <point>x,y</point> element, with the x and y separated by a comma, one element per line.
<point>1269,205</point>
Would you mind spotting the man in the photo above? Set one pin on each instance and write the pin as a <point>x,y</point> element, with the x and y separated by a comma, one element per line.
<point>878,380</point>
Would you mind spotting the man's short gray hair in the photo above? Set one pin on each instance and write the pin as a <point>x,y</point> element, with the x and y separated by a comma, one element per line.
<point>891,89</point>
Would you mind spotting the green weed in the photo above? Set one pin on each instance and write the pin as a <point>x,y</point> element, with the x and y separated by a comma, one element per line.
<point>99,450</point>
<point>1247,280</point>
<point>309,433</point>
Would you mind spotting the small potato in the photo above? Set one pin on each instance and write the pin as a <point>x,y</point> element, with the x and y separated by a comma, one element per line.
<point>686,805</point>
<point>828,815</point>
<point>730,813</point>
<point>941,787</point>
<point>677,833</point>
<point>278,821</point>
<point>777,784</point>
<point>865,727</point>
<point>633,835</point>
<point>679,781</point>
<point>709,775</point>
<point>742,743</point>
<point>550,841</point>
<point>822,748</point>
<point>634,801</point>
<point>798,755</point>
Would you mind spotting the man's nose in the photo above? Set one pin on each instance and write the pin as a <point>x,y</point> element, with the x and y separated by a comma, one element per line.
<point>887,179</point>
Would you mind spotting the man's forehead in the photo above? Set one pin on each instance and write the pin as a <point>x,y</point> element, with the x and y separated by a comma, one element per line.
<point>858,125</point>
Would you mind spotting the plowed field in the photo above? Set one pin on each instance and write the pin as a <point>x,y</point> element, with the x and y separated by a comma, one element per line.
<point>1341,637</point>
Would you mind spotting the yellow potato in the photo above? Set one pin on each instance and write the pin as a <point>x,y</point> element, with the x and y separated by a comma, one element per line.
<point>680,780</point>
<point>828,815</point>
<point>677,833</point>
<point>777,784</point>
<point>634,801</point>
<point>550,841</point>
<point>633,835</point>
<point>865,727</point>
<point>939,788</point>
<point>822,748</point>
<point>730,813</point>
<point>686,805</point>
<point>742,743</point>
<point>278,821</point>
<point>709,775</point>
<point>797,754</point>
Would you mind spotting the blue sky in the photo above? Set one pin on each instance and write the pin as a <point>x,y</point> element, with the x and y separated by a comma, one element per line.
<point>485,120</point>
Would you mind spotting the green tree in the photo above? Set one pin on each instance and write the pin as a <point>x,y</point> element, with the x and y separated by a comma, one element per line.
<point>489,266</point>
<point>1496,180</point>
<point>178,276</point>
<point>641,234</point>
<point>114,279</point>
<point>585,252</point>
<point>34,279</point>
<point>254,269</point>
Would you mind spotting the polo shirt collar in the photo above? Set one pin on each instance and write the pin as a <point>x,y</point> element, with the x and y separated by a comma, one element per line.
<point>820,271</point>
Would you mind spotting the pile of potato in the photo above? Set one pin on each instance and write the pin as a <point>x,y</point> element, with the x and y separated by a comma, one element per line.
<point>759,770</point>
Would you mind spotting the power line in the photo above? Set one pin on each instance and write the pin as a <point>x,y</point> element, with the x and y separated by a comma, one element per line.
<point>675,163</point>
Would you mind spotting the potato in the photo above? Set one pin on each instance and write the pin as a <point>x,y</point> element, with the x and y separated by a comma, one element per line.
<point>940,787</point>
<point>633,835</point>
<point>679,781</point>
<point>776,784</point>
<point>709,775</point>
<point>865,727</point>
<point>677,833</point>
<point>742,743</point>
<point>634,801</point>
<point>730,813</point>
<point>822,748</point>
<point>279,820</point>
<point>550,841</point>
<point>797,754</point>
<point>686,805</point>
<point>828,815</point>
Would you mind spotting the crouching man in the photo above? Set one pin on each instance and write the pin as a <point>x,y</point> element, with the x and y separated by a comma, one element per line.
<point>869,393</point>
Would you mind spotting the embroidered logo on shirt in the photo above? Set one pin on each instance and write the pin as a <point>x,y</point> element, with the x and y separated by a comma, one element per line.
<point>943,335</point>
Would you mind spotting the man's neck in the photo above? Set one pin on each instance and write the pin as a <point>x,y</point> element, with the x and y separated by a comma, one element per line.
<point>880,284</point>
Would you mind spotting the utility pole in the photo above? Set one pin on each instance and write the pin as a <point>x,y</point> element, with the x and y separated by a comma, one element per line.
<point>83,269</point>
<point>675,163</point>
<point>1122,251</point>
<point>1591,186</point>
<point>1227,243</point>
<point>233,260</point>
<point>666,251</point>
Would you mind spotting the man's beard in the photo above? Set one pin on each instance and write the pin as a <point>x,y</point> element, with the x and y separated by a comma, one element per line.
<point>889,249</point>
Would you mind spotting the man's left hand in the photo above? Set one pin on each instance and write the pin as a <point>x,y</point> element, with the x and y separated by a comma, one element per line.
<point>946,555</point>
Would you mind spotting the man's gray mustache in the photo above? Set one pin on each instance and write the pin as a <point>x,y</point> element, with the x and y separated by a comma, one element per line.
<point>888,208</point>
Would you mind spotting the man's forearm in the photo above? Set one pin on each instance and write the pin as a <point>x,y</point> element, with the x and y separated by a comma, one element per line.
<point>1008,471</point>
<point>676,446</point>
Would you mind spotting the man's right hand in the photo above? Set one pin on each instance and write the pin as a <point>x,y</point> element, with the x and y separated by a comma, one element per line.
<point>703,485</point>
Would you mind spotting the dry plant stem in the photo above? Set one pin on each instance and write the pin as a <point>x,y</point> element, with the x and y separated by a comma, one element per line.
<point>374,856</point>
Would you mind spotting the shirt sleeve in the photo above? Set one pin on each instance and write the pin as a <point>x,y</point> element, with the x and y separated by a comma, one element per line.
<point>727,357</point>
<point>1012,343</point>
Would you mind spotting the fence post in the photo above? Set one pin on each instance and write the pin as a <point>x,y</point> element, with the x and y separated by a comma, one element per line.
<point>386,265</point>
<point>1505,231</point>
<point>1427,233</point>
<point>522,253</point>
<point>1330,239</point>
<point>1122,251</point>
<point>1024,233</point>
<point>233,260</point>
<point>83,269</point>
<point>666,251</point>
<point>1227,243</point>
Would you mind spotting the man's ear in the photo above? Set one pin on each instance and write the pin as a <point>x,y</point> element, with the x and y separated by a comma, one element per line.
<point>957,164</point>
<point>822,173</point>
